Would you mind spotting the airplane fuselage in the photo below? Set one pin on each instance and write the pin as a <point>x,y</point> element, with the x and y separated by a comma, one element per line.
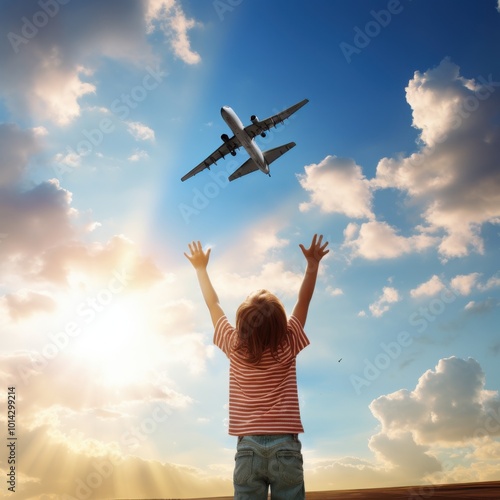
<point>234,123</point>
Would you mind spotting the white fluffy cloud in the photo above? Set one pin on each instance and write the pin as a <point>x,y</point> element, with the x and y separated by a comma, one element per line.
<point>429,288</point>
<point>455,176</point>
<point>337,185</point>
<point>273,276</point>
<point>389,296</point>
<point>378,240</point>
<point>449,404</point>
<point>402,453</point>
<point>464,283</point>
<point>169,16</point>
<point>423,430</point>
<point>140,132</point>
<point>46,70</point>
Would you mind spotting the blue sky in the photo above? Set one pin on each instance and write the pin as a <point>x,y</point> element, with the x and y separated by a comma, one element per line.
<point>104,106</point>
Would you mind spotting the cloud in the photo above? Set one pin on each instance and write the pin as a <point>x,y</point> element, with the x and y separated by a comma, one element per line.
<point>401,452</point>
<point>273,276</point>
<point>464,283</point>
<point>140,132</point>
<point>455,175</point>
<point>337,185</point>
<point>389,296</point>
<point>36,220</point>
<point>97,262</point>
<point>62,372</point>
<point>101,471</point>
<point>17,147</point>
<point>47,70</point>
<point>448,405</point>
<point>266,240</point>
<point>429,288</point>
<point>260,247</point>
<point>449,412</point>
<point>493,282</point>
<point>170,18</point>
<point>378,240</point>
<point>43,240</point>
<point>26,303</point>
<point>482,307</point>
<point>43,235</point>
<point>138,155</point>
<point>334,292</point>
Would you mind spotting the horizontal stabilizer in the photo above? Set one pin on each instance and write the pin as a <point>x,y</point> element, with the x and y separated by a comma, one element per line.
<point>248,167</point>
<point>273,154</point>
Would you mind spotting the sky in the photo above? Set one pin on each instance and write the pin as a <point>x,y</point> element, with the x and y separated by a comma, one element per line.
<point>106,353</point>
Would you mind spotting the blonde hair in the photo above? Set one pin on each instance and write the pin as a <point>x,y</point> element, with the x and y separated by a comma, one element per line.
<point>261,323</point>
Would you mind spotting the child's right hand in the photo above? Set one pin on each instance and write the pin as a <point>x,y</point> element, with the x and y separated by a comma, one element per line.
<point>198,258</point>
<point>316,251</point>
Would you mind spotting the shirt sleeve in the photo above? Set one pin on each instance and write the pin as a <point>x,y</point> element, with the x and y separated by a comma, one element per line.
<point>223,335</point>
<point>298,338</point>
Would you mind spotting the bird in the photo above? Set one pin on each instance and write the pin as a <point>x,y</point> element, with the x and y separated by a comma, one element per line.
<point>340,360</point>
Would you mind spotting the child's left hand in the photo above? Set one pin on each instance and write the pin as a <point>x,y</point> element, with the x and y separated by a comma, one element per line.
<point>198,258</point>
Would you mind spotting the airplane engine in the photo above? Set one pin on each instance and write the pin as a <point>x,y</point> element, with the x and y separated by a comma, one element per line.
<point>255,120</point>
<point>224,137</point>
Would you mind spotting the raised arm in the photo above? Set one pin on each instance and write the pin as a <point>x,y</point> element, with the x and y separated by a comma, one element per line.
<point>313,255</point>
<point>199,260</point>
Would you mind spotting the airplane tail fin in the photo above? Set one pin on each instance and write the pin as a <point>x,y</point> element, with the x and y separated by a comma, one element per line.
<point>273,154</point>
<point>270,155</point>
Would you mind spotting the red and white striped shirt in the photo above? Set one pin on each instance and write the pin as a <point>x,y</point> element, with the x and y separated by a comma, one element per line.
<point>263,397</point>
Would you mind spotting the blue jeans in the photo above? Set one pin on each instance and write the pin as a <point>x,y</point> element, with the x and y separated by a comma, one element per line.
<point>269,461</point>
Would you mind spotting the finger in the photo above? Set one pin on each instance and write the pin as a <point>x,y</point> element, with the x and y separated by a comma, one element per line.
<point>187,256</point>
<point>313,242</point>
<point>320,239</point>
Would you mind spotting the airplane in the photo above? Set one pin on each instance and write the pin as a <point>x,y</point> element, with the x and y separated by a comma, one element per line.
<point>245,136</point>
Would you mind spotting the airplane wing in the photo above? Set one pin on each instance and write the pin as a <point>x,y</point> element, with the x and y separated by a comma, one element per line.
<point>255,129</point>
<point>248,167</point>
<point>230,145</point>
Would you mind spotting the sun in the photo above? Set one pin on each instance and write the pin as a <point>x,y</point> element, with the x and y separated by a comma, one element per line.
<point>118,344</point>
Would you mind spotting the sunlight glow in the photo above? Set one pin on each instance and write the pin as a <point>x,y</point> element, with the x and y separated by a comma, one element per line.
<point>114,343</point>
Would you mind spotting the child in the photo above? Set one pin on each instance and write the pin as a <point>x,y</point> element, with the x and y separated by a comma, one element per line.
<point>263,400</point>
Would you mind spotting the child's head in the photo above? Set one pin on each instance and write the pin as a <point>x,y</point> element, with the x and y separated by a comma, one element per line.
<point>261,323</point>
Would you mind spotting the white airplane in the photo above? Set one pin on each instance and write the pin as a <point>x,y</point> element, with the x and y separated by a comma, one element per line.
<point>245,136</point>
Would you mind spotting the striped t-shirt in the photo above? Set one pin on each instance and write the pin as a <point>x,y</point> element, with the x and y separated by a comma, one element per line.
<point>263,397</point>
